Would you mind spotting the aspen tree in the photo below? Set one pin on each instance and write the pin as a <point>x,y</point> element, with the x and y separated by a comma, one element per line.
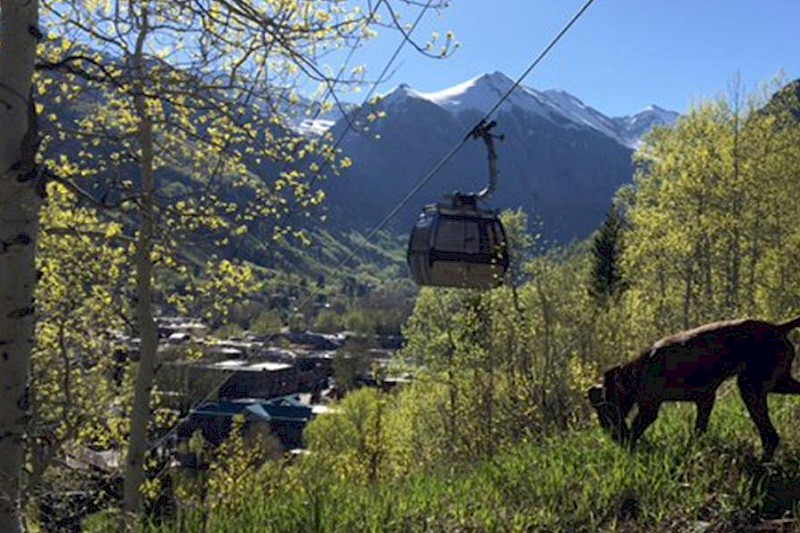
<point>21,192</point>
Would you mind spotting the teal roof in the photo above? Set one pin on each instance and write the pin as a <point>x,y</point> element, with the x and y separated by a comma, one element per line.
<point>257,409</point>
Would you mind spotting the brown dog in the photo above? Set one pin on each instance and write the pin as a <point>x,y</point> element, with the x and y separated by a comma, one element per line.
<point>689,366</point>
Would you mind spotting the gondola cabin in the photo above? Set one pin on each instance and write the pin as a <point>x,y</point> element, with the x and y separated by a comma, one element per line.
<point>456,243</point>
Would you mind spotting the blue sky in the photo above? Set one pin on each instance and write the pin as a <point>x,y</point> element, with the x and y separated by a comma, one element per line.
<point>620,57</point>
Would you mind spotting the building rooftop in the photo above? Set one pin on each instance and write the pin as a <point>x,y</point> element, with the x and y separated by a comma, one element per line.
<point>241,365</point>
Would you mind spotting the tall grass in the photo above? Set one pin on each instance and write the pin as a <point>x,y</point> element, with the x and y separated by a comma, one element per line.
<point>575,481</point>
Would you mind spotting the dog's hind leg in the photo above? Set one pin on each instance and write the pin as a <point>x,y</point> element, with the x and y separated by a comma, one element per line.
<point>755,399</point>
<point>704,407</point>
<point>786,385</point>
<point>780,379</point>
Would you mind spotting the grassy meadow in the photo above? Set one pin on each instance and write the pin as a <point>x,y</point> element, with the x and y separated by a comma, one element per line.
<point>577,480</point>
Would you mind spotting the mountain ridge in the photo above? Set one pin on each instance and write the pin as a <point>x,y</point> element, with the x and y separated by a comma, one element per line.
<point>562,161</point>
<point>482,92</point>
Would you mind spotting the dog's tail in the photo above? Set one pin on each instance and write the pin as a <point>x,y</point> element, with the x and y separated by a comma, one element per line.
<point>786,327</point>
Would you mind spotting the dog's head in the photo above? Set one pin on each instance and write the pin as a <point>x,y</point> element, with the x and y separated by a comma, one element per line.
<point>612,401</point>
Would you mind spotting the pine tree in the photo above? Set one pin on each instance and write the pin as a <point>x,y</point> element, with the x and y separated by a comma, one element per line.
<point>607,281</point>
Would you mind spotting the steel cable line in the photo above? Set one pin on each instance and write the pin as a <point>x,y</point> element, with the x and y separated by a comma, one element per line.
<point>449,155</point>
<point>538,59</point>
<point>418,185</point>
<point>426,178</point>
<point>349,124</point>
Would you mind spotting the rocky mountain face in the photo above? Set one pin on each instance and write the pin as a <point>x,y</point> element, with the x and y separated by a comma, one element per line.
<point>560,160</point>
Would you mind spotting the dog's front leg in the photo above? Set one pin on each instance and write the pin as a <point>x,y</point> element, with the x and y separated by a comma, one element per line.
<point>648,412</point>
<point>704,407</point>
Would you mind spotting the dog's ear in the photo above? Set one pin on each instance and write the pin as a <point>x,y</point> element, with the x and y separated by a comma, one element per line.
<point>595,394</point>
<point>613,378</point>
<point>617,385</point>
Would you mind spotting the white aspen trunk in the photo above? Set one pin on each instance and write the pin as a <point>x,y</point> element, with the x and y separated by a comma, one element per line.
<point>687,294</point>
<point>140,412</point>
<point>545,374</point>
<point>21,192</point>
<point>734,283</point>
<point>661,323</point>
<point>490,410</point>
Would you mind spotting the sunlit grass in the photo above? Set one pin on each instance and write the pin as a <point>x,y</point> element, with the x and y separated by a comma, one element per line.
<point>575,481</point>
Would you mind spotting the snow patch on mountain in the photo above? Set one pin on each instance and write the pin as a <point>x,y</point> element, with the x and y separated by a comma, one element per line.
<point>306,118</point>
<point>575,110</point>
<point>399,95</point>
<point>483,92</point>
<point>313,127</point>
<point>634,127</point>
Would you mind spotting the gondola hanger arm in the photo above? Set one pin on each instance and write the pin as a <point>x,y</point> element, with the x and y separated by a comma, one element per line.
<point>483,130</point>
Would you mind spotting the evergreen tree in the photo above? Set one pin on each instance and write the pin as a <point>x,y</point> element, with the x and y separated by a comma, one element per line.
<point>607,281</point>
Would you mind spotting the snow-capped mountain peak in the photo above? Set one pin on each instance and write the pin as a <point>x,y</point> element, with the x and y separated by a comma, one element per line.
<point>634,127</point>
<point>483,92</point>
<point>399,95</point>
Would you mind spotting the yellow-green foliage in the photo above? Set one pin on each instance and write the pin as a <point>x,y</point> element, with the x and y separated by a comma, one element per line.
<point>234,466</point>
<point>81,384</point>
<point>572,481</point>
<point>354,437</point>
<point>219,91</point>
<point>81,297</point>
<point>713,218</point>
